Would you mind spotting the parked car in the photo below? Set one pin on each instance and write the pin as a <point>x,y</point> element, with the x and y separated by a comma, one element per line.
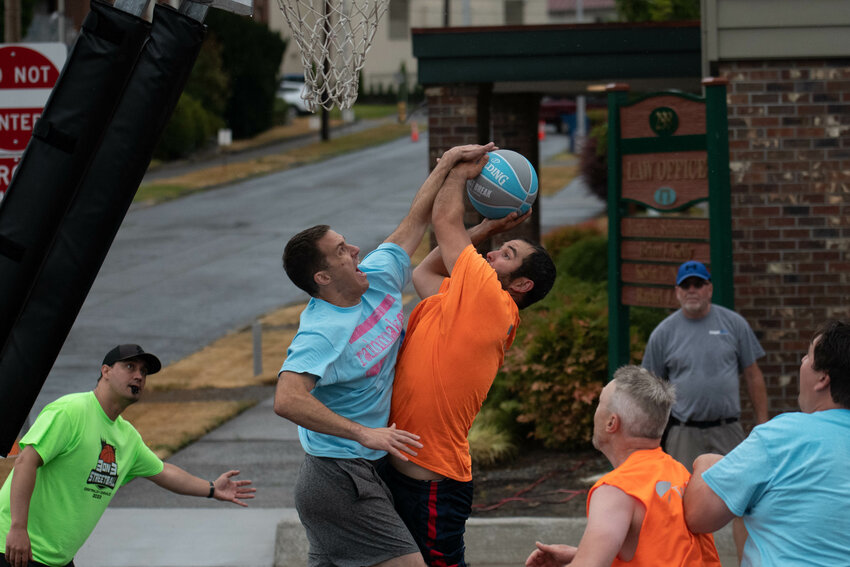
<point>555,110</point>
<point>552,111</point>
<point>293,93</point>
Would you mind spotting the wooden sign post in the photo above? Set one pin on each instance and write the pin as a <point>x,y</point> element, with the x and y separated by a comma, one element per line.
<point>667,153</point>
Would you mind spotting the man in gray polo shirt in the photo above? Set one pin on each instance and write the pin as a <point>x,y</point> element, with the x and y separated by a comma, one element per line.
<point>703,349</point>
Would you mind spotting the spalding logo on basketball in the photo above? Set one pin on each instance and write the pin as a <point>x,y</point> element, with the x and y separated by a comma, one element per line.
<point>507,183</point>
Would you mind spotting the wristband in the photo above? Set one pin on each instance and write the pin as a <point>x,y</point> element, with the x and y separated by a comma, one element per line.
<point>212,490</point>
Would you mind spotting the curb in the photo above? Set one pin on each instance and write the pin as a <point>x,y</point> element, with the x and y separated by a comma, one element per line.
<point>490,542</point>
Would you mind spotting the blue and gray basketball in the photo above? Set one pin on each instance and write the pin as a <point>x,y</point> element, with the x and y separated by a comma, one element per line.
<point>507,183</point>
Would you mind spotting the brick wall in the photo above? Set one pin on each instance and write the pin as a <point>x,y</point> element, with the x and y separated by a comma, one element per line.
<point>470,114</point>
<point>789,142</point>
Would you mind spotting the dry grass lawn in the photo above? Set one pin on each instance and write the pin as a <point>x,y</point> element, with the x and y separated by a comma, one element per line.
<point>5,468</point>
<point>224,173</point>
<point>229,361</point>
<point>553,178</point>
<point>166,427</point>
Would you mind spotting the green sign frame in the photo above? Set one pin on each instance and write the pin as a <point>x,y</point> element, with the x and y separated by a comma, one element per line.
<point>663,122</point>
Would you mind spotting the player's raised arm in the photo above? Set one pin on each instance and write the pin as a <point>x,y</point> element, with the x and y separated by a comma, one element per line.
<point>429,274</point>
<point>410,231</point>
<point>447,216</point>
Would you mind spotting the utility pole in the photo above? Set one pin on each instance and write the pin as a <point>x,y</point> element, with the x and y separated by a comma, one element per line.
<point>325,132</point>
<point>12,21</point>
<point>581,101</point>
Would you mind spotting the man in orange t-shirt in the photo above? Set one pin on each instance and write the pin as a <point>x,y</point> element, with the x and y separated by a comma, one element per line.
<point>455,343</point>
<point>635,513</point>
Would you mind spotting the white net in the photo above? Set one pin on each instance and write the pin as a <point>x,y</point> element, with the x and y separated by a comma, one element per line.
<point>333,37</point>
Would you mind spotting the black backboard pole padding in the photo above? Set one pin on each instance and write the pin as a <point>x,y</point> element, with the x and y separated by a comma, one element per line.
<point>95,214</point>
<point>63,144</point>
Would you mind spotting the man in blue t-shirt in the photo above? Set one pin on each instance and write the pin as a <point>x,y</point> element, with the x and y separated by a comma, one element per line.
<point>789,479</point>
<point>336,382</point>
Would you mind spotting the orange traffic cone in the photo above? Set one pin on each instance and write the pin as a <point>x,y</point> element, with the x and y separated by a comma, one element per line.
<point>414,131</point>
<point>541,130</point>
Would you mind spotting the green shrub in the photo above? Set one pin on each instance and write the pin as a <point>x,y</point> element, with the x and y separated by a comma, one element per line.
<point>642,321</point>
<point>209,83</point>
<point>283,113</point>
<point>549,385</point>
<point>190,128</point>
<point>557,367</point>
<point>562,238</point>
<point>597,116</point>
<point>586,260</point>
<point>593,161</point>
<point>489,441</point>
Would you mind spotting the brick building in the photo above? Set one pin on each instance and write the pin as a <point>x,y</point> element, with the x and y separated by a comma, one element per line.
<point>789,144</point>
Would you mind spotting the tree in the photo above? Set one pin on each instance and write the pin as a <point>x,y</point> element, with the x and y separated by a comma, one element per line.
<point>251,56</point>
<point>658,10</point>
<point>25,10</point>
<point>209,82</point>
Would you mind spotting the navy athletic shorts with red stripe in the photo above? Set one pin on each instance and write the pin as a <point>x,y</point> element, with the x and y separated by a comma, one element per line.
<point>435,512</point>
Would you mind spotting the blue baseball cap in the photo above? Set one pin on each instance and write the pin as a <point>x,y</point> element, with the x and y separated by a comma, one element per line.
<point>692,269</point>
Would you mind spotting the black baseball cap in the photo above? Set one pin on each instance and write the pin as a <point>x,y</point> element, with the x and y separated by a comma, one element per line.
<point>123,352</point>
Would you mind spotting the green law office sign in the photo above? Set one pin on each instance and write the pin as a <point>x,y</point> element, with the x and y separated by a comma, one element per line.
<point>667,152</point>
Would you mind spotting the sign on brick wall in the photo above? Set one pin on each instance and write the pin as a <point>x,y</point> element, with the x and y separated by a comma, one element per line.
<point>668,200</point>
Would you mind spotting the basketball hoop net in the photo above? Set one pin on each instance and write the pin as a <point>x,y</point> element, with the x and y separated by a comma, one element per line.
<point>333,37</point>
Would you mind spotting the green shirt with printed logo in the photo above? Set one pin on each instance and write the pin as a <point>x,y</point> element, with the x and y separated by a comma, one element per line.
<point>87,457</point>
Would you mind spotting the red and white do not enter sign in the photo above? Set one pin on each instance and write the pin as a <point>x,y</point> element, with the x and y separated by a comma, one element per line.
<point>27,74</point>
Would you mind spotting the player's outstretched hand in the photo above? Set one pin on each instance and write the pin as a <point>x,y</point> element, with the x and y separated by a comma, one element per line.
<point>469,152</point>
<point>550,555</point>
<point>229,490</point>
<point>470,169</point>
<point>504,224</point>
<point>18,549</point>
<point>394,441</point>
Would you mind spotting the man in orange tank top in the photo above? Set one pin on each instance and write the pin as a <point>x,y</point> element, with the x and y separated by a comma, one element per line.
<point>455,343</point>
<point>635,513</point>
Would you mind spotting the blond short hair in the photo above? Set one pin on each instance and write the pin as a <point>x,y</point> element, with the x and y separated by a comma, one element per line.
<point>642,400</point>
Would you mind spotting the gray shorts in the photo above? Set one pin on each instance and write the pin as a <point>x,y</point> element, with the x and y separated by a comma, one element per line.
<point>685,443</point>
<point>348,514</point>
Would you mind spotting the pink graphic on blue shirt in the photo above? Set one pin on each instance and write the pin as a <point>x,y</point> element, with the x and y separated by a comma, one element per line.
<point>371,352</point>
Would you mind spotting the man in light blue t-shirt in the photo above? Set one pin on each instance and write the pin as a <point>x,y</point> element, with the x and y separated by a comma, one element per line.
<point>789,479</point>
<point>336,382</point>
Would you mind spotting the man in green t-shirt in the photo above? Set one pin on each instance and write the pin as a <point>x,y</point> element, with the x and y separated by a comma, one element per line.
<point>76,455</point>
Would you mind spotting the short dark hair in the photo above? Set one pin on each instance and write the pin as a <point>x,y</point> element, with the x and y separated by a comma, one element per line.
<point>539,268</point>
<point>832,355</point>
<point>302,258</point>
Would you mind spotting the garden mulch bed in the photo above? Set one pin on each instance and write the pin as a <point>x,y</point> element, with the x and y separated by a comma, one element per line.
<point>539,482</point>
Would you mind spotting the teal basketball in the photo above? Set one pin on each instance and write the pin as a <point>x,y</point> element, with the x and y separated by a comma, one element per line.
<point>507,183</point>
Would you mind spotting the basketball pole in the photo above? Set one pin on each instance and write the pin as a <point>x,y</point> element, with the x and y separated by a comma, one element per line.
<point>102,194</point>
